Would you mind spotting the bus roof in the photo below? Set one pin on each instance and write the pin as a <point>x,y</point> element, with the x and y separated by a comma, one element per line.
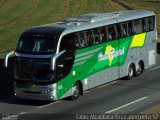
<point>88,21</point>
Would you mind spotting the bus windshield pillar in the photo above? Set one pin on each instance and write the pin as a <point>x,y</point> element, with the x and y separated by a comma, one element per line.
<point>54,58</point>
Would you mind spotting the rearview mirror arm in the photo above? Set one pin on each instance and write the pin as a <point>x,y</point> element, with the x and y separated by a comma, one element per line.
<point>6,57</point>
<point>54,58</point>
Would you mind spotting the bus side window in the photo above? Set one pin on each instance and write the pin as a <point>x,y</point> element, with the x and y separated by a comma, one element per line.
<point>99,35</point>
<point>90,37</point>
<point>144,24</point>
<point>85,38</point>
<point>124,29</point>
<point>129,28</point>
<point>111,33</point>
<point>119,31</point>
<point>151,23</point>
<point>77,41</point>
<point>102,34</point>
<point>96,36</point>
<point>82,40</point>
<point>137,26</point>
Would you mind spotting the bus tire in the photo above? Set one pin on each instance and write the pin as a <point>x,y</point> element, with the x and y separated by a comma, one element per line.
<point>130,72</point>
<point>76,91</point>
<point>139,70</point>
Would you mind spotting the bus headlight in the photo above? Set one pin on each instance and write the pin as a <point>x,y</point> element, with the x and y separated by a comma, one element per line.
<point>47,91</point>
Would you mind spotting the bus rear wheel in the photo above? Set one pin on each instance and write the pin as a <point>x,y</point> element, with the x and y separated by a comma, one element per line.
<point>139,70</point>
<point>75,91</point>
<point>130,72</point>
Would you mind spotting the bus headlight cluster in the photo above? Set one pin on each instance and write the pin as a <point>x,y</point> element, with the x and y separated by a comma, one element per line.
<point>47,91</point>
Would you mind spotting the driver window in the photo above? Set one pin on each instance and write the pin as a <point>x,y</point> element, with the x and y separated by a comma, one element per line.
<point>68,42</point>
<point>65,62</point>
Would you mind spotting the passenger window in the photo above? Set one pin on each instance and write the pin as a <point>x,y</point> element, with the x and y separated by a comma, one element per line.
<point>137,26</point>
<point>119,31</point>
<point>126,29</point>
<point>102,34</point>
<point>97,36</point>
<point>90,37</point>
<point>111,33</point>
<point>81,40</point>
<point>129,28</point>
<point>77,42</point>
<point>144,25</point>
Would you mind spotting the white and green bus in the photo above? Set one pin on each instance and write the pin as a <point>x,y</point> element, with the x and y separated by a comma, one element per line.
<point>65,59</point>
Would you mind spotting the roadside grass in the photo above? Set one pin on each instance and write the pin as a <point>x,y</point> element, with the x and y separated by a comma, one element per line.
<point>18,15</point>
<point>10,9</point>
<point>153,5</point>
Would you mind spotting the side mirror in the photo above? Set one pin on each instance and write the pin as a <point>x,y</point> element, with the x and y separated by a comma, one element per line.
<point>5,62</point>
<point>54,58</point>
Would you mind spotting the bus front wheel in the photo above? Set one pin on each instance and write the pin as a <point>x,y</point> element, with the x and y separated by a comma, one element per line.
<point>75,91</point>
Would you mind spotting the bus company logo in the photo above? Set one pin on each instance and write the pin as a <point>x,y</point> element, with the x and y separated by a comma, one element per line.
<point>110,54</point>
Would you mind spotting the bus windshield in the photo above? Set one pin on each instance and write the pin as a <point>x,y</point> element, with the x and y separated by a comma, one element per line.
<point>37,45</point>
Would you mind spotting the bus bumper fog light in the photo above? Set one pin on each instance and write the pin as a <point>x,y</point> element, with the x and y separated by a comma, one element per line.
<point>51,97</point>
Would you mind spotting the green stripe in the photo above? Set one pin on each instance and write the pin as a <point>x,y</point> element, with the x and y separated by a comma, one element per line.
<point>87,53</point>
<point>83,58</point>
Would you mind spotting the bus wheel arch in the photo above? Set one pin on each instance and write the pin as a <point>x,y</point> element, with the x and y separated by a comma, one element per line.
<point>130,71</point>
<point>139,68</point>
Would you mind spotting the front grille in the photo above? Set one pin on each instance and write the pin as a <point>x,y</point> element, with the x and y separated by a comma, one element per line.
<point>33,92</point>
<point>24,71</point>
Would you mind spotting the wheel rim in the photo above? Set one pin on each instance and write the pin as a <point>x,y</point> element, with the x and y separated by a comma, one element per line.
<point>130,71</point>
<point>76,91</point>
<point>139,68</point>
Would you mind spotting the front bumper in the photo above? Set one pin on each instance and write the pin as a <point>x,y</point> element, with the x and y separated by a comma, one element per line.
<point>36,93</point>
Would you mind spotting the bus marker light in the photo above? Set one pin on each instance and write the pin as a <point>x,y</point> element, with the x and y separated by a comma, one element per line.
<point>51,97</point>
<point>85,81</point>
<point>74,73</point>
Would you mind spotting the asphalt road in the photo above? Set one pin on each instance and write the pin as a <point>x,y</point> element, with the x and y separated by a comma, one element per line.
<point>118,97</point>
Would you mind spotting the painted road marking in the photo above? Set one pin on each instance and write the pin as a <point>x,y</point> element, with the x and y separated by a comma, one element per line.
<point>21,113</point>
<point>12,117</point>
<point>49,104</point>
<point>107,84</point>
<point>113,110</point>
<point>155,68</point>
